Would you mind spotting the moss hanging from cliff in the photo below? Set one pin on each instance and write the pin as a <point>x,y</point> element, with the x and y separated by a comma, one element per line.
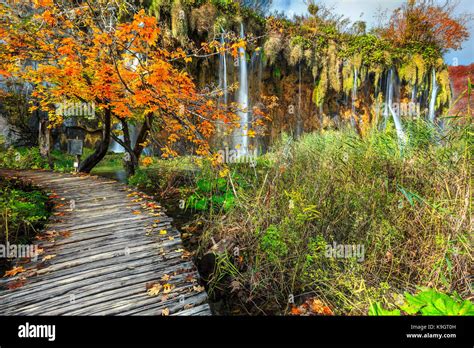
<point>157,6</point>
<point>320,91</point>
<point>334,68</point>
<point>413,71</point>
<point>296,54</point>
<point>179,22</point>
<point>444,94</point>
<point>272,48</point>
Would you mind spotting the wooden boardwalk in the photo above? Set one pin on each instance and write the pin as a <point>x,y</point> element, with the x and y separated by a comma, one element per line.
<point>105,250</point>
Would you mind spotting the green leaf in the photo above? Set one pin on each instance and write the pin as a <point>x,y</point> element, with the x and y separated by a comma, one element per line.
<point>377,310</point>
<point>204,185</point>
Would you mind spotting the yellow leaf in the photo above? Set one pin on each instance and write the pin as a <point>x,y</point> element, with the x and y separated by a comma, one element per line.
<point>167,288</point>
<point>14,271</point>
<point>48,257</point>
<point>165,312</point>
<point>154,290</point>
<point>162,232</point>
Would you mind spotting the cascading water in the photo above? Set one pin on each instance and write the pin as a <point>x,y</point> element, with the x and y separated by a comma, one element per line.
<point>299,120</point>
<point>434,93</point>
<point>223,72</point>
<point>389,107</point>
<point>354,98</point>
<point>241,141</point>
<point>114,146</point>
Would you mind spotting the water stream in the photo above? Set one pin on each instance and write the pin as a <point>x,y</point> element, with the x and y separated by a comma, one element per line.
<point>434,93</point>
<point>241,141</point>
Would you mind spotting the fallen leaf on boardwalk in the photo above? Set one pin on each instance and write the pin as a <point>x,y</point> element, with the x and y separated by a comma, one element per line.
<point>163,232</point>
<point>198,288</point>
<point>165,312</point>
<point>154,290</point>
<point>66,234</point>
<point>136,212</point>
<point>179,250</point>
<point>39,251</point>
<point>166,277</point>
<point>189,305</point>
<point>14,271</point>
<point>59,213</point>
<point>171,238</point>
<point>167,288</point>
<point>186,254</point>
<point>16,284</point>
<point>51,234</point>
<point>48,257</point>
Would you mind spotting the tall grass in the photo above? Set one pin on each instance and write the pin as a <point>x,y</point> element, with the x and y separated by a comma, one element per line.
<point>409,208</point>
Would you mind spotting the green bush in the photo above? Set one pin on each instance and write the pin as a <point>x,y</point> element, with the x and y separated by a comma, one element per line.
<point>23,210</point>
<point>22,158</point>
<point>428,302</point>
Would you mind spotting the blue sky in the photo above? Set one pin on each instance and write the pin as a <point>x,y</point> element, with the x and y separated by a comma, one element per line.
<point>367,9</point>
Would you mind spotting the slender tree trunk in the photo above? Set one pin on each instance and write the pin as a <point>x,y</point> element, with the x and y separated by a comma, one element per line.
<point>131,163</point>
<point>44,140</point>
<point>101,150</point>
<point>143,135</point>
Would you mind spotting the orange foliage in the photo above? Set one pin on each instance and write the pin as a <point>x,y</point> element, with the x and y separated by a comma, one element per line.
<point>123,69</point>
<point>426,22</point>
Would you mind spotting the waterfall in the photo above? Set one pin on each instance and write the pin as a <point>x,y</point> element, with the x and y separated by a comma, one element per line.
<point>354,98</point>
<point>223,71</point>
<point>299,120</point>
<point>434,93</point>
<point>240,135</point>
<point>389,107</point>
<point>116,147</point>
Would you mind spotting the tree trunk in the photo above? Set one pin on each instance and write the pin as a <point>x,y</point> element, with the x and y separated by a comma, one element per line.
<point>143,135</point>
<point>44,140</point>
<point>131,163</point>
<point>136,151</point>
<point>101,150</point>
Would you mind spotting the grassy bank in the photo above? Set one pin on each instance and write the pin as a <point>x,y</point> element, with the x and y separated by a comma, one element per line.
<point>24,211</point>
<point>408,209</point>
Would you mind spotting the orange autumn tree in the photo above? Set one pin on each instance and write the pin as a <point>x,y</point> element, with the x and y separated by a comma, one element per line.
<point>428,22</point>
<point>109,54</point>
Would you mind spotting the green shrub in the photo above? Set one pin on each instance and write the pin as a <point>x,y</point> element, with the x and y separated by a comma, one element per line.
<point>428,302</point>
